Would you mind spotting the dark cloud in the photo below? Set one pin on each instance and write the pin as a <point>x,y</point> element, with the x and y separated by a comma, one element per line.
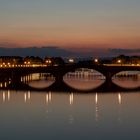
<point>124,51</point>
<point>54,51</point>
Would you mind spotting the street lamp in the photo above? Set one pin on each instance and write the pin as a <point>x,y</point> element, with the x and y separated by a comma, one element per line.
<point>71,60</point>
<point>119,61</point>
<point>48,62</point>
<point>96,60</point>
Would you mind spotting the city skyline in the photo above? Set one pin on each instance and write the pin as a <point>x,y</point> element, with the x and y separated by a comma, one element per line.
<point>70,24</point>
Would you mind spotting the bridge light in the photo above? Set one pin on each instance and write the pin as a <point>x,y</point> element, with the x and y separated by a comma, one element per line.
<point>25,62</point>
<point>119,61</point>
<point>96,60</point>
<point>50,61</point>
<point>71,60</point>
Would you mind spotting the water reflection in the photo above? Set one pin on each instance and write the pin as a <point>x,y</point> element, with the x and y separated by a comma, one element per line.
<point>96,107</point>
<point>84,79</point>
<point>25,97</point>
<point>38,80</point>
<point>8,95</point>
<point>127,79</point>
<point>119,108</point>
<point>29,95</point>
<point>3,96</point>
<point>48,97</point>
<point>119,99</point>
<point>71,98</point>
<point>4,84</point>
<point>70,115</point>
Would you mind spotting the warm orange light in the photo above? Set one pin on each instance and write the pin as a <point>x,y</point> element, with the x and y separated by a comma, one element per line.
<point>119,61</point>
<point>71,60</point>
<point>119,98</point>
<point>50,61</point>
<point>96,60</point>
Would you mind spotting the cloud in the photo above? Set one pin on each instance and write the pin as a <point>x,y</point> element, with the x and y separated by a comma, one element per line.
<point>8,49</point>
<point>124,51</point>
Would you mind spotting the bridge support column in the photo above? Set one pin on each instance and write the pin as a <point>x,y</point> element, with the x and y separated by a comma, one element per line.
<point>15,80</point>
<point>59,81</point>
<point>108,82</point>
<point>59,84</point>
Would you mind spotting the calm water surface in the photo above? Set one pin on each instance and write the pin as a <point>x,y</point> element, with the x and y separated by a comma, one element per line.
<point>69,116</point>
<point>53,116</point>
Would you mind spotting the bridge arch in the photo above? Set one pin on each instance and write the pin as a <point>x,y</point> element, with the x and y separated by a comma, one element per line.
<point>111,71</point>
<point>83,78</point>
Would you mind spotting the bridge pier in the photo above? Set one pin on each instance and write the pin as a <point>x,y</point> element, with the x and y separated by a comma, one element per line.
<point>59,84</point>
<point>108,80</point>
<point>15,80</point>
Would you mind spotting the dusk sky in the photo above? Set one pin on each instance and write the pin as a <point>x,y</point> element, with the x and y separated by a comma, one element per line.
<point>71,23</point>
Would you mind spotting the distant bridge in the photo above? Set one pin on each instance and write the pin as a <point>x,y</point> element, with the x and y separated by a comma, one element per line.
<point>14,74</point>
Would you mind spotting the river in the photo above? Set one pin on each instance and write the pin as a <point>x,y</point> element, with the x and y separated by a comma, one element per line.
<point>26,115</point>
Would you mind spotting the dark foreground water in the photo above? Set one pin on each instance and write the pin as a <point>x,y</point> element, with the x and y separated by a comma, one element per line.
<point>69,116</point>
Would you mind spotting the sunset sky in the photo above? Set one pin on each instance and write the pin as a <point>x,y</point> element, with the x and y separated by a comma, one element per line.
<point>71,23</point>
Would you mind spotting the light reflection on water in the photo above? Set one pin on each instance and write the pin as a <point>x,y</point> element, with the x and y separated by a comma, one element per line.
<point>84,84</point>
<point>88,78</point>
<point>38,80</point>
<point>51,115</point>
<point>41,83</point>
<point>127,82</point>
<point>89,83</point>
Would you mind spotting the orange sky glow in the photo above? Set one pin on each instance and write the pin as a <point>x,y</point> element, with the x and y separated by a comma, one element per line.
<point>71,24</point>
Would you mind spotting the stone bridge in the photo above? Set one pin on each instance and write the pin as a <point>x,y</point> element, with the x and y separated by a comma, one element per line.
<point>15,74</point>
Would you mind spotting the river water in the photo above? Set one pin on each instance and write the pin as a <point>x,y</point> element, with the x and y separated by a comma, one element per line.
<point>26,115</point>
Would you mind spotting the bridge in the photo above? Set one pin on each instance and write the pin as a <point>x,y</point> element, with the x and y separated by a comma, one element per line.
<point>14,74</point>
